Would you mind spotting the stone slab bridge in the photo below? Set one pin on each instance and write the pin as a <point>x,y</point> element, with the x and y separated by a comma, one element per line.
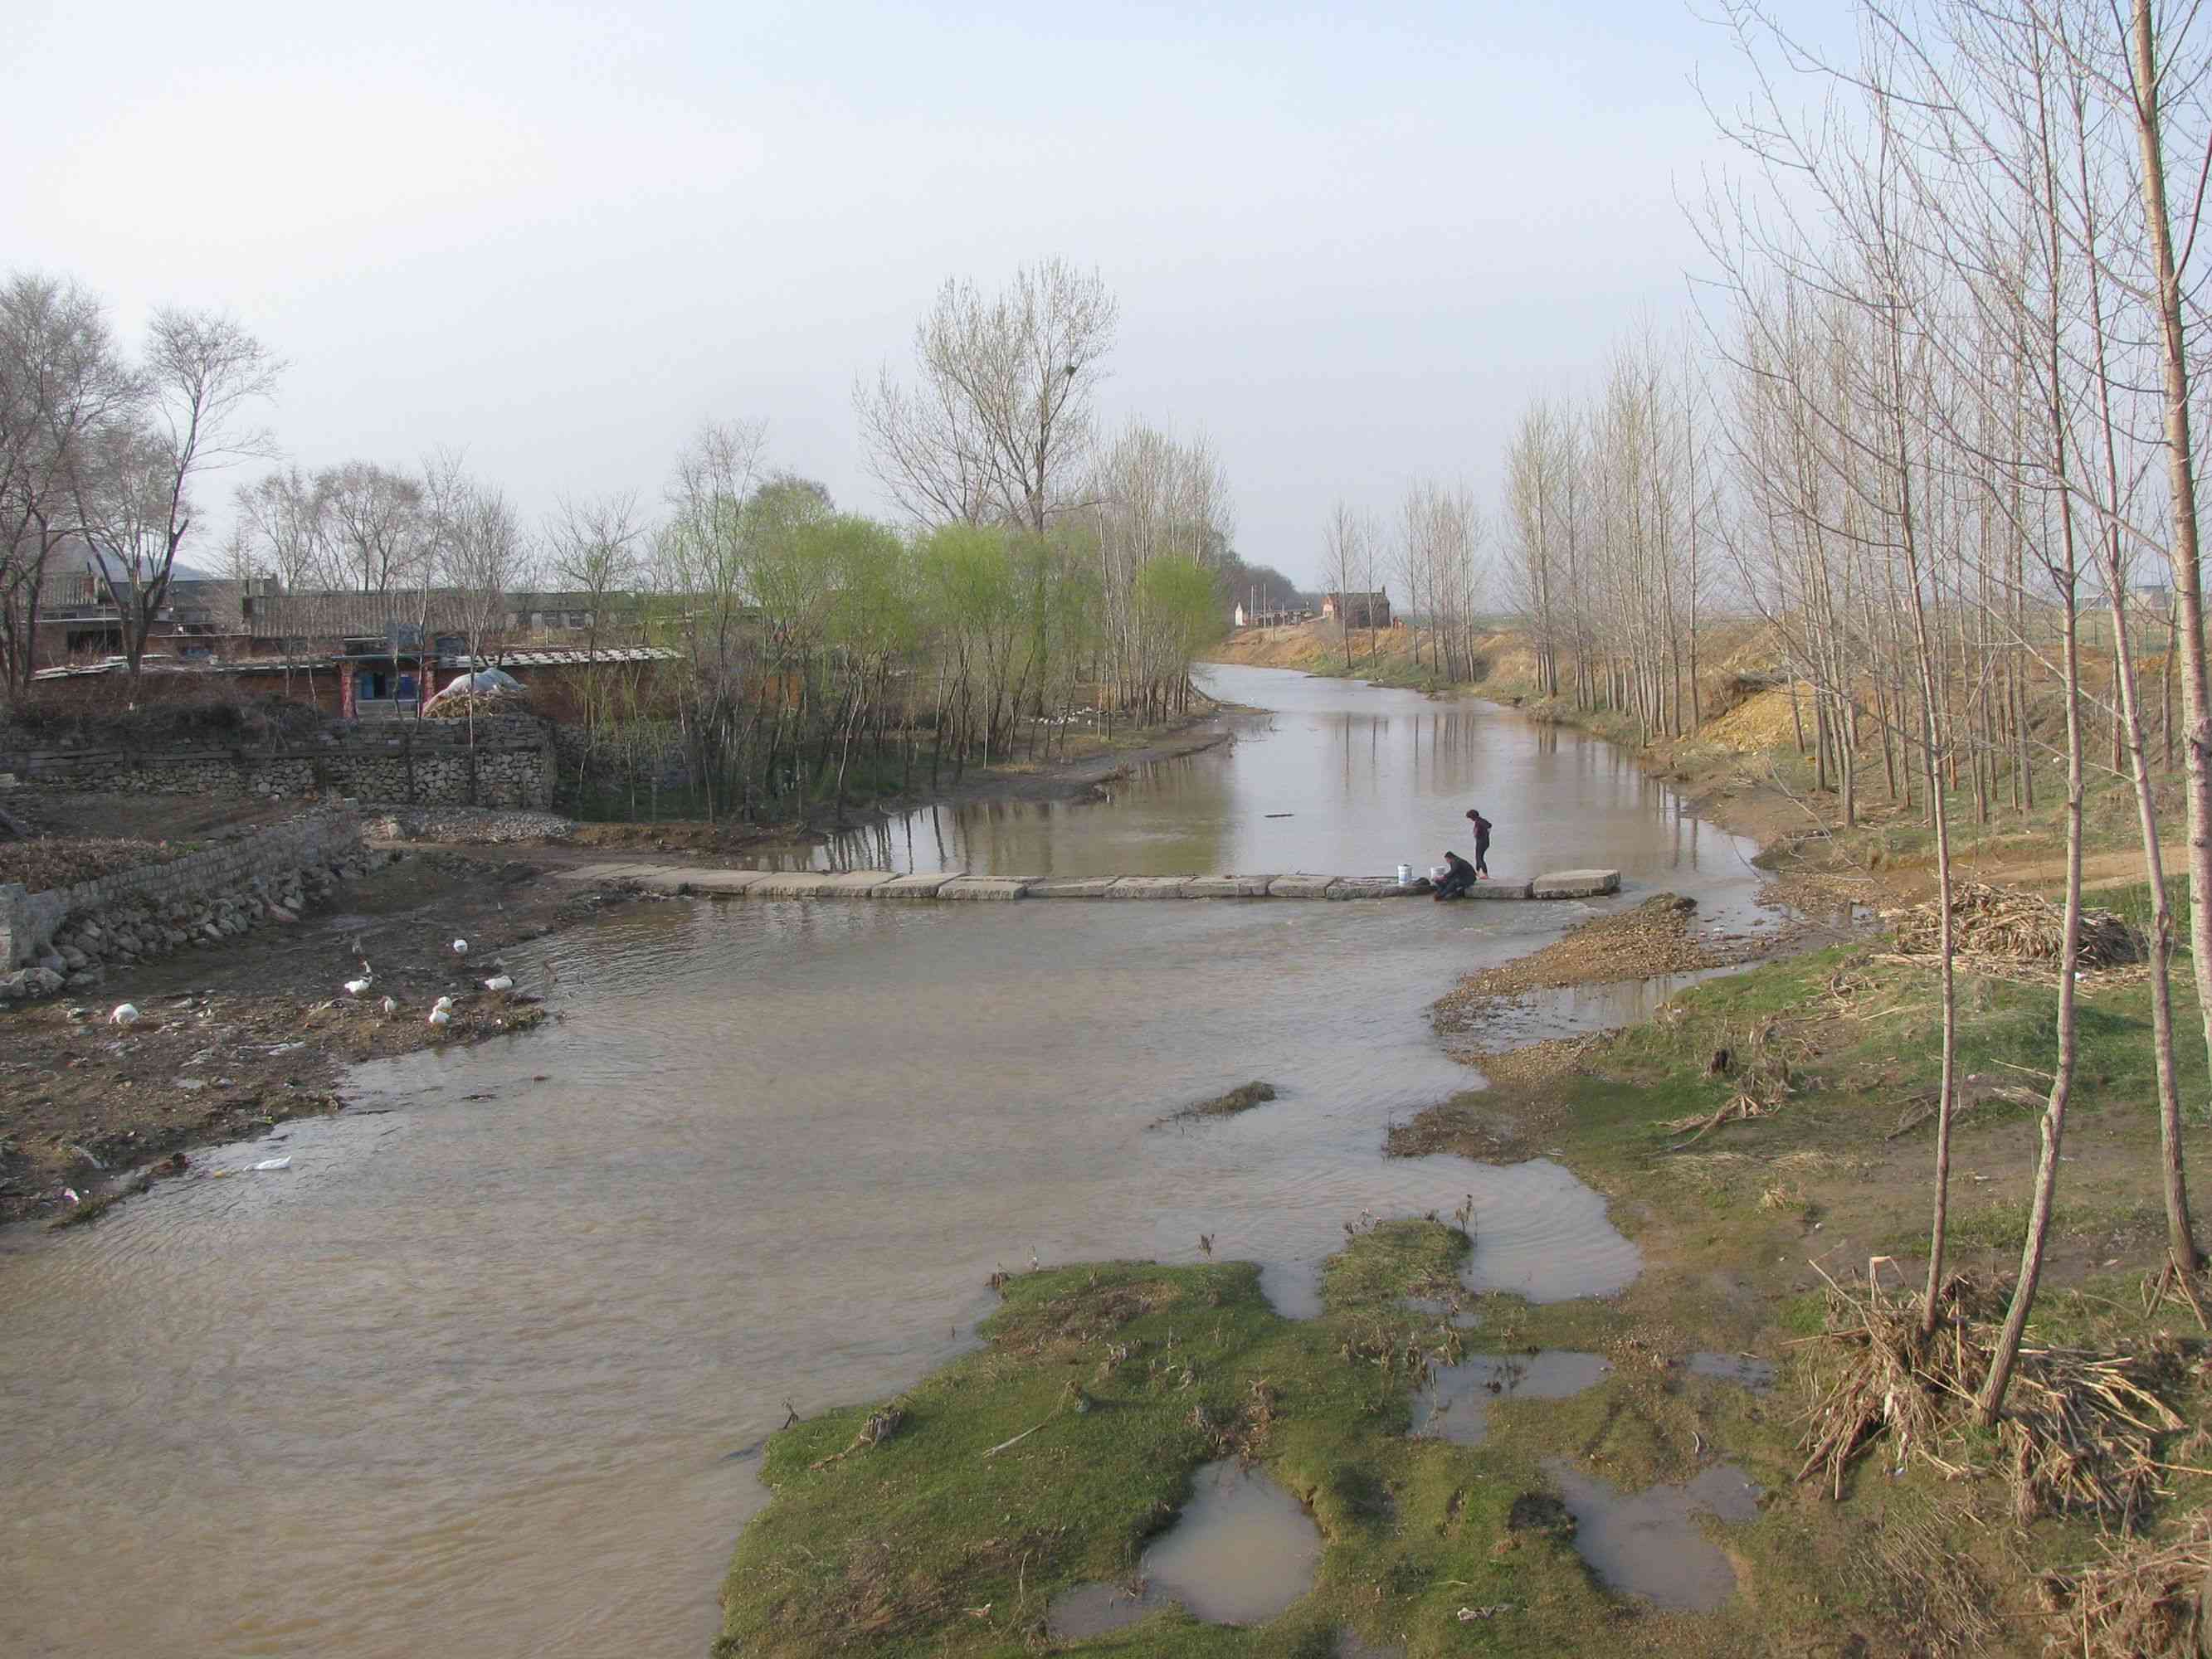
<point>890,884</point>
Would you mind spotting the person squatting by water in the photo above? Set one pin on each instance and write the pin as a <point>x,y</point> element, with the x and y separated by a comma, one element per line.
<point>1482,828</point>
<point>1457,879</point>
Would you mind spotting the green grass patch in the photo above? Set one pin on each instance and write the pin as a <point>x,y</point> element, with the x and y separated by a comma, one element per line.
<point>1122,1379</point>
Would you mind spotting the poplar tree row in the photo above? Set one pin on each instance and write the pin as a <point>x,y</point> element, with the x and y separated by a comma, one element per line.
<point>1944,449</point>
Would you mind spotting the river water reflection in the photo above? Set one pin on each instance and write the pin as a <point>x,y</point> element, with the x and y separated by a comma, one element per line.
<point>1337,777</point>
<point>480,1371</point>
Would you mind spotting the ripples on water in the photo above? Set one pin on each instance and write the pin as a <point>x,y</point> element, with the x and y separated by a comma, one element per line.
<point>467,1377</point>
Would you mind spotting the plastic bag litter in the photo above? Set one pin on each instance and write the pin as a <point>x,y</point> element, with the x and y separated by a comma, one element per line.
<point>499,982</point>
<point>283,1162</point>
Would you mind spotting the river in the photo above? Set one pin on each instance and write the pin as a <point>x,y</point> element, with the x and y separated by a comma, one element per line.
<point>483,1371</point>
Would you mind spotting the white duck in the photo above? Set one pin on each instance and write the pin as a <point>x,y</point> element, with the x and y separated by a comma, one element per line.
<point>354,987</point>
<point>126,1013</point>
<point>442,1016</point>
<point>390,1007</point>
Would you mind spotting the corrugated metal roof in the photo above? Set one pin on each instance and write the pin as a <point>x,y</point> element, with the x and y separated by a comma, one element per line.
<point>565,657</point>
<point>173,667</point>
<point>612,653</point>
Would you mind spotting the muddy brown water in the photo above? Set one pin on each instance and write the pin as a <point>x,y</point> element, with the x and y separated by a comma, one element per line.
<point>1745,1369</point>
<point>484,1371</point>
<point>1653,1543</point>
<point>1455,1404</point>
<point>1241,1551</point>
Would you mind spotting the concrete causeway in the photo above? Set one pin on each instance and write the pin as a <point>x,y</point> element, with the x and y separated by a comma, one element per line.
<point>708,882</point>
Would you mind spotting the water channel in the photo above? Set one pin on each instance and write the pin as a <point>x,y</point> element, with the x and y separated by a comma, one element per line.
<point>483,1369</point>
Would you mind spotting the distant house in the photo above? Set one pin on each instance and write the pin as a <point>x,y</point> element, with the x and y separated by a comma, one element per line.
<point>79,615</point>
<point>1358,609</point>
<point>369,681</point>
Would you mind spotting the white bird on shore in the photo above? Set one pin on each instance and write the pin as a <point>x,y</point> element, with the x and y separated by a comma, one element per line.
<point>390,1007</point>
<point>126,1013</point>
<point>441,1016</point>
<point>460,947</point>
<point>445,1003</point>
<point>354,987</point>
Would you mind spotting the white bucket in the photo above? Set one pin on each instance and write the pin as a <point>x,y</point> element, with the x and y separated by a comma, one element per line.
<point>1438,871</point>
<point>1404,875</point>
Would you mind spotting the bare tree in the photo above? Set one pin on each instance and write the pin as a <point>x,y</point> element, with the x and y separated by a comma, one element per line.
<point>1002,422</point>
<point>373,526</point>
<point>281,534</point>
<point>64,387</point>
<point>1343,557</point>
<point>200,372</point>
<point>593,546</point>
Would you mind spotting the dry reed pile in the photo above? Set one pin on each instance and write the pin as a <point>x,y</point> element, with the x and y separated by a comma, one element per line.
<point>2004,923</point>
<point>2140,1599</point>
<point>2080,1429</point>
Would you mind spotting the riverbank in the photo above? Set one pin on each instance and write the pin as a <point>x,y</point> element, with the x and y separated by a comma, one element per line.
<point>1746,770</point>
<point>232,1040</point>
<point>1116,1383</point>
<point>1763,1138</point>
<point>238,1039</point>
<point>1096,762</point>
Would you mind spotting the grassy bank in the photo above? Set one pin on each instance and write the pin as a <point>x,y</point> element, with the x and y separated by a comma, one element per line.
<point>1130,1376</point>
<point>1126,1378</point>
<point>1766,1141</point>
<point>1744,770</point>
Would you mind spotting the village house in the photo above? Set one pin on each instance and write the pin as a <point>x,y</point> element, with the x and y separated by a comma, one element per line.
<point>1258,615</point>
<point>78,618</point>
<point>1358,609</point>
<point>358,656</point>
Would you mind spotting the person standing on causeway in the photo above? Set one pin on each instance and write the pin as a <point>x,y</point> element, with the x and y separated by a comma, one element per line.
<point>1482,828</point>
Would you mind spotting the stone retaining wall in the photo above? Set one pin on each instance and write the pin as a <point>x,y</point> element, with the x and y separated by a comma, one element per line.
<point>464,826</point>
<point>409,761</point>
<point>61,937</point>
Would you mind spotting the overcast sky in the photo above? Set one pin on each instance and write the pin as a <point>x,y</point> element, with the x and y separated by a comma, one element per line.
<point>1348,246</point>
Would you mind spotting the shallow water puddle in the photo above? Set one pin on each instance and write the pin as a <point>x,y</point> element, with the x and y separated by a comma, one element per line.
<point>1540,1230</point>
<point>1090,1610</point>
<point>1242,1550</point>
<point>1745,1369</point>
<point>1574,1010</point>
<point>1457,1403</point>
<point>1649,1543</point>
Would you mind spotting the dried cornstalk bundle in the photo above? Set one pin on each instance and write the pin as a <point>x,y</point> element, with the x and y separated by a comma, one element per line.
<point>2078,1428</point>
<point>2005,923</point>
<point>2139,1599</point>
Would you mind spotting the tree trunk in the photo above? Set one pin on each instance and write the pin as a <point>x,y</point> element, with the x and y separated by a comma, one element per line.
<point>2181,489</point>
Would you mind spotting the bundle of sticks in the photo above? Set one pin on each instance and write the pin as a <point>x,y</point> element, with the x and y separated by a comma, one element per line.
<point>2080,1429</point>
<point>2140,1598</point>
<point>2002,921</point>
